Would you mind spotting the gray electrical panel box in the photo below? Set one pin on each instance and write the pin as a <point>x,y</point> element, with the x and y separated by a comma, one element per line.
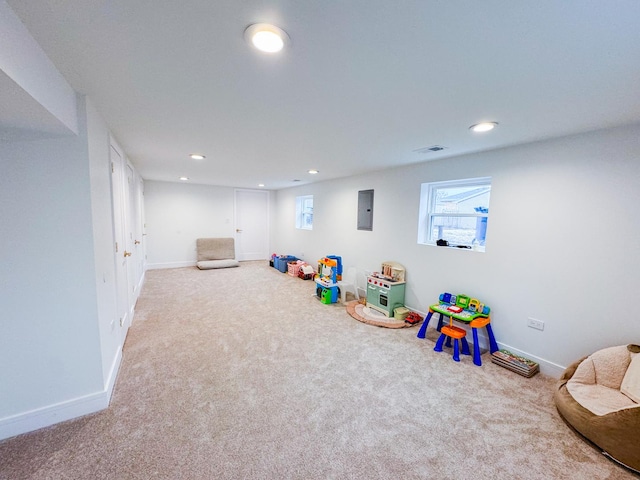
<point>365,210</point>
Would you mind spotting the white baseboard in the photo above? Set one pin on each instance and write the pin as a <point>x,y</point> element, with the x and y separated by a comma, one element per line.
<point>546,367</point>
<point>113,375</point>
<point>156,266</point>
<point>63,411</point>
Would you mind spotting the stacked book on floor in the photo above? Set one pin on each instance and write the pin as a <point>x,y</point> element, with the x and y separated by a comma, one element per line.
<point>520,365</point>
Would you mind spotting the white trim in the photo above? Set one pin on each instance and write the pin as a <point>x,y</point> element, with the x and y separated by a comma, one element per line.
<point>113,374</point>
<point>156,266</point>
<point>52,414</point>
<point>548,368</point>
<point>300,200</point>
<point>60,412</point>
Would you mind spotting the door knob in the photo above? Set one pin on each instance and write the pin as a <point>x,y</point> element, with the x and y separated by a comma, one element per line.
<point>238,230</point>
<point>127,254</point>
<point>137,242</point>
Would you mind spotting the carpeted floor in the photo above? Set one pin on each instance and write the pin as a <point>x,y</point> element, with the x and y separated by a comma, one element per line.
<point>243,374</point>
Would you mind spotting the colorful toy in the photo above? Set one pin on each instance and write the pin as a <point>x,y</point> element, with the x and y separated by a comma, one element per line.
<point>306,272</point>
<point>466,310</point>
<point>329,272</point>
<point>449,332</point>
<point>413,318</point>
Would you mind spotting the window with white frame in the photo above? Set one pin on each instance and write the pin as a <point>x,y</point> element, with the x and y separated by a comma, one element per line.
<point>304,212</point>
<point>455,211</point>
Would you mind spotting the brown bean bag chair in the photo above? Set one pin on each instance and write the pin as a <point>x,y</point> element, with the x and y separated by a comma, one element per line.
<point>599,396</point>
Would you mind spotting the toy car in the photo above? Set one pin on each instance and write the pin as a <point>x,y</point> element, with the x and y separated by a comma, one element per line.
<point>413,318</point>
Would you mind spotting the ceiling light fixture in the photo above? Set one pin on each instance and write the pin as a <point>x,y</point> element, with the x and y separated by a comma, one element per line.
<point>266,38</point>
<point>483,127</point>
<point>313,172</point>
<point>184,179</point>
<point>261,184</point>
<point>197,156</point>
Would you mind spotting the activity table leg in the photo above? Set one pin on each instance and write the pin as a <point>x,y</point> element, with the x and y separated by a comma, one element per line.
<point>423,329</point>
<point>476,347</point>
<point>493,345</point>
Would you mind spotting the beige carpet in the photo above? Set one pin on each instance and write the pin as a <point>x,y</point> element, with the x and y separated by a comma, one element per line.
<point>243,374</point>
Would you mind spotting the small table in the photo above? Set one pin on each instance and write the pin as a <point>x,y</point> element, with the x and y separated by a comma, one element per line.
<point>475,319</point>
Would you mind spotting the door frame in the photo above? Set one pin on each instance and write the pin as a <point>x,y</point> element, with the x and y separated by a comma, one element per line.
<point>119,201</point>
<point>236,227</point>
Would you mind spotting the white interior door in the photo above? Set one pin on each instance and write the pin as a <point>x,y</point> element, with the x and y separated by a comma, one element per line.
<point>119,193</point>
<point>252,224</point>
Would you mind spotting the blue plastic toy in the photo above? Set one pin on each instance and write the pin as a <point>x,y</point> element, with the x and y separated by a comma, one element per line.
<point>329,272</point>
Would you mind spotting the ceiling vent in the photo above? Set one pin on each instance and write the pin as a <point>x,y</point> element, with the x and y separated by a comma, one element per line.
<point>431,149</point>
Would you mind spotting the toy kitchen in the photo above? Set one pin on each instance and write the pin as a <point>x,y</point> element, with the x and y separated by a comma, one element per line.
<point>385,290</point>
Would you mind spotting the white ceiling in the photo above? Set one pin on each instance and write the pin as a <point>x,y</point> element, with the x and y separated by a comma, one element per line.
<point>363,84</point>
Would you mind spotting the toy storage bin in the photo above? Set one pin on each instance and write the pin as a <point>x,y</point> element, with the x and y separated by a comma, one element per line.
<point>282,262</point>
<point>400,313</point>
<point>294,267</point>
<point>276,262</point>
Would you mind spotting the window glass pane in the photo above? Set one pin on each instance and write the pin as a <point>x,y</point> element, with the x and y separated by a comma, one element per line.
<point>304,212</point>
<point>469,199</point>
<point>307,220</point>
<point>458,230</point>
<point>456,211</point>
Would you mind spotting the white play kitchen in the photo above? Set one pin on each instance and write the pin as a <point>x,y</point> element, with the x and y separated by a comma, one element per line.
<point>385,289</point>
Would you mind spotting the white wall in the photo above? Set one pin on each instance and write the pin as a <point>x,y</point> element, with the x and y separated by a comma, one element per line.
<point>59,350</point>
<point>50,343</point>
<point>561,239</point>
<point>103,242</point>
<point>176,214</point>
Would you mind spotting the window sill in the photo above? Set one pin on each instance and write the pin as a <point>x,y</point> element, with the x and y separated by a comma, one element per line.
<point>480,249</point>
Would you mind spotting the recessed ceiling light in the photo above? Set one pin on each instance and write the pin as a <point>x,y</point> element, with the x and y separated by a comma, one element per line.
<point>197,156</point>
<point>261,184</point>
<point>313,172</point>
<point>483,127</point>
<point>266,38</point>
<point>184,179</point>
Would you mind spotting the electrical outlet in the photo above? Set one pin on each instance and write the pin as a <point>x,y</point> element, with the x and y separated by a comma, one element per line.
<point>533,323</point>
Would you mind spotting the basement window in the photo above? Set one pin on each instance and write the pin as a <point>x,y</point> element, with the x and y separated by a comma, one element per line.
<point>455,213</point>
<point>304,212</point>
